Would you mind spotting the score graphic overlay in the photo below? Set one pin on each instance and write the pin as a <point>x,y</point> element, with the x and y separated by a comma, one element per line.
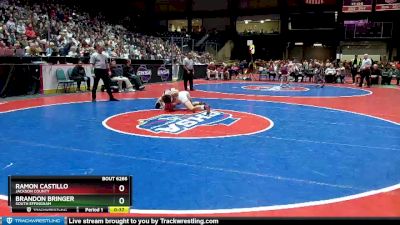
<point>87,194</point>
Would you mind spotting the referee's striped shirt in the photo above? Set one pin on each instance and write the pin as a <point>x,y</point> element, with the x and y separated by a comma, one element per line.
<point>99,61</point>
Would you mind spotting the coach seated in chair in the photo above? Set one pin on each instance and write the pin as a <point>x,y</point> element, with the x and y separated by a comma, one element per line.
<point>299,69</point>
<point>272,71</point>
<point>78,74</point>
<point>330,73</point>
<point>394,73</point>
<point>376,75</point>
<point>261,69</point>
<point>233,71</point>
<point>212,70</point>
<point>117,73</point>
<point>309,73</point>
<point>129,72</point>
<point>220,71</point>
<point>294,71</point>
<point>340,74</point>
<point>386,76</point>
<point>226,75</point>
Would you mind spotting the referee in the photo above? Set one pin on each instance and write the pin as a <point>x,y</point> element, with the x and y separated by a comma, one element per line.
<point>188,71</point>
<point>365,71</point>
<point>101,71</point>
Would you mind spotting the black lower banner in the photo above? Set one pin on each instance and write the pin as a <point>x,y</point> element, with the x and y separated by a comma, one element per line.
<point>206,221</point>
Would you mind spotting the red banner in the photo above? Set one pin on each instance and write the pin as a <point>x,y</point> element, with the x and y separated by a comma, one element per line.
<point>387,5</point>
<point>354,6</point>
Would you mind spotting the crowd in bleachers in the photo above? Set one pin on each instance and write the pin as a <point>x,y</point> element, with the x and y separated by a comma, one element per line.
<point>47,28</point>
<point>301,71</point>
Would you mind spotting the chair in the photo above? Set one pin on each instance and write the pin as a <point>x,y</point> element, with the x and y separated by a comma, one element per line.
<point>69,72</point>
<point>310,75</point>
<point>63,80</point>
<point>386,78</point>
<point>263,74</point>
<point>375,79</point>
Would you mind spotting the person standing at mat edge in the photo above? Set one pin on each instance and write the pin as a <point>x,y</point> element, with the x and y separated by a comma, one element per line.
<point>101,71</point>
<point>365,71</point>
<point>188,71</point>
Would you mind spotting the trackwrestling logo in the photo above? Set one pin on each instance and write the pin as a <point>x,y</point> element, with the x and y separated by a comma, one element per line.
<point>184,124</point>
<point>176,124</point>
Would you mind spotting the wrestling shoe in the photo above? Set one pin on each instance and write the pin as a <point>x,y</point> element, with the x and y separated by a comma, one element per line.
<point>208,109</point>
<point>158,105</point>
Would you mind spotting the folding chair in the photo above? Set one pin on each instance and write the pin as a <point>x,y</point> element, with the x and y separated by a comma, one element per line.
<point>263,74</point>
<point>386,78</point>
<point>63,80</point>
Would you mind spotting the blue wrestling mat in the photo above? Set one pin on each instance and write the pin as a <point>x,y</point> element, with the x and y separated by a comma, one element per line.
<point>245,154</point>
<point>294,90</point>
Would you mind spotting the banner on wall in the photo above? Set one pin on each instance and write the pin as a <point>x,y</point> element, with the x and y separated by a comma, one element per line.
<point>258,4</point>
<point>165,6</point>
<point>387,5</point>
<point>320,2</point>
<point>355,6</point>
<point>154,73</point>
<point>294,3</point>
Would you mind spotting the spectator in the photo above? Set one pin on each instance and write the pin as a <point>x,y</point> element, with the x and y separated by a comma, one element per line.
<point>2,32</point>
<point>59,24</point>
<point>30,33</point>
<point>272,71</point>
<point>2,44</point>
<point>284,72</point>
<point>129,72</point>
<point>117,74</point>
<point>376,74</point>
<point>21,28</point>
<point>212,70</point>
<point>20,52</point>
<point>395,73</point>
<point>49,49</point>
<point>73,51</point>
<point>12,39</point>
<point>78,74</point>
<point>330,69</point>
<point>10,25</point>
<point>24,42</point>
<point>340,74</point>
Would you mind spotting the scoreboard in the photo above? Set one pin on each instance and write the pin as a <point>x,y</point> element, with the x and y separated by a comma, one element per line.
<point>88,194</point>
<point>353,6</point>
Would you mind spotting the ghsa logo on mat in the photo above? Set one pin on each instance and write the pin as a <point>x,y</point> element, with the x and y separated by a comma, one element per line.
<point>176,124</point>
<point>187,125</point>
